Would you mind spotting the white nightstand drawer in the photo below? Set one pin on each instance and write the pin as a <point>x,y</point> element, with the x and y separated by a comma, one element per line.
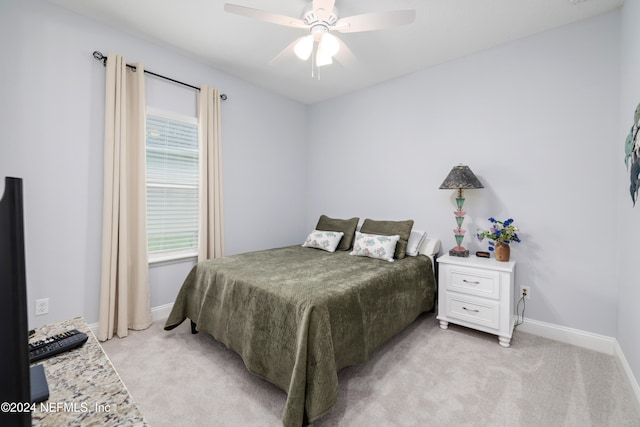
<point>477,311</point>
<point>473,281</point>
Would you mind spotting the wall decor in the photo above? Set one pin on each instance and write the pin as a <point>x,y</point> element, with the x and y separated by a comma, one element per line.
<point>632,155</point>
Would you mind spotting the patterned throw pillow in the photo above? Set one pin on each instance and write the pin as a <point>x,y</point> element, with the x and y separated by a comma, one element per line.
<point>325,240</point>
<point>375,246</point>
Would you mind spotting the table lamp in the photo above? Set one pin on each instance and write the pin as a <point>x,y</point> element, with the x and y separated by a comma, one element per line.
<point>460,178</point>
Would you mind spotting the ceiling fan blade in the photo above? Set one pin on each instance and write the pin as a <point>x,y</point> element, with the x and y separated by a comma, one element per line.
<point>286,53</point>
<point>323,8</point>
<point>374,21</point>
<point>262,15</point>
<point>322,58</point>
<point>345,56</point>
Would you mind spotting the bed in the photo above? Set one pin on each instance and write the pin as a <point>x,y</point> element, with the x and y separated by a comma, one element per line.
<point>297,315</point>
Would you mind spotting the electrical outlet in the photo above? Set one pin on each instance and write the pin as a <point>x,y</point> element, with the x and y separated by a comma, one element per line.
<point>42,306</point>
<point>525,291</point>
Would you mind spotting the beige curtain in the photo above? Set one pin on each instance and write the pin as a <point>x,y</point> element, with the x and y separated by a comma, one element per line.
<point>124,294</point>
<point>211,239</point>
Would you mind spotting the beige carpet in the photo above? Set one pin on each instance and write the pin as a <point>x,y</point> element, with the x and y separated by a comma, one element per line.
<point>423,377</point>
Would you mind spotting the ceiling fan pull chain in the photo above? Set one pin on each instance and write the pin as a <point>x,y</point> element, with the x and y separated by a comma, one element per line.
<point>313,62</point>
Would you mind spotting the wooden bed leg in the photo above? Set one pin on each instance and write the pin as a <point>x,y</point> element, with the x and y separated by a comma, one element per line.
<point>193,327</point>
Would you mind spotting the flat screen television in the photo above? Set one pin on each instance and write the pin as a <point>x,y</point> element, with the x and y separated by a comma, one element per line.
<point>15,389</point>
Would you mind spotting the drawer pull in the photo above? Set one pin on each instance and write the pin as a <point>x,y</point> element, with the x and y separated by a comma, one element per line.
<point>472,282</point>
<point>472,311</point>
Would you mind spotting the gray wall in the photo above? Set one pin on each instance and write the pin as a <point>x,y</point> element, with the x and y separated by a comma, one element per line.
<point>537,122</point>
<point>52,118</point>
<point>628,217</point>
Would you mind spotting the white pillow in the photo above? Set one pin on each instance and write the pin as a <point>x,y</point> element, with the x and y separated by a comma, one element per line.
<point>415,241</point>
<point>325,240</point>
<point>375,246</point>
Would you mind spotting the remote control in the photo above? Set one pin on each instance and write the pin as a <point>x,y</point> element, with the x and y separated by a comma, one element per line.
<point>56,344</point>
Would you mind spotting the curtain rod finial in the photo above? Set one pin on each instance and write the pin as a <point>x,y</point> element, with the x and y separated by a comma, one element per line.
<point>100,57</point>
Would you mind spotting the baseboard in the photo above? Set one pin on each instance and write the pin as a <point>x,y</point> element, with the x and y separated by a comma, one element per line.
<point>600,343</point>
<point>160,312</point>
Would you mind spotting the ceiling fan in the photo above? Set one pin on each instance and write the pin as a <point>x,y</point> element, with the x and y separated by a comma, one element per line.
<point>319,18</point>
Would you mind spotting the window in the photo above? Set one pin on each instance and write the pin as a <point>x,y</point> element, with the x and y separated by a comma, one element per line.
<point>172,186</point>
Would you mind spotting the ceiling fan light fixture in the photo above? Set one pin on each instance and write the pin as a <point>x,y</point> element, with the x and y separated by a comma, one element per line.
<point>303,47</point>
<point>329,44</point>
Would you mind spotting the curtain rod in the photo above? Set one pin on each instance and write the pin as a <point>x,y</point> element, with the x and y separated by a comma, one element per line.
<point>100,57</point>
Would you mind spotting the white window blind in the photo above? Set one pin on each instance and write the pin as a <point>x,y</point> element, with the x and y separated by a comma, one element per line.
<point>172,186</point>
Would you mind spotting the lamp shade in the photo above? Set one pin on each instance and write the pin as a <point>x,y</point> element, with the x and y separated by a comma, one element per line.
<point>329,43</point>
<point>303,47</point>
<point>460,177</point>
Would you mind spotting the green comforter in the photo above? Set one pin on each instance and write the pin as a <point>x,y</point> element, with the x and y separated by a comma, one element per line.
<point>298,315</point>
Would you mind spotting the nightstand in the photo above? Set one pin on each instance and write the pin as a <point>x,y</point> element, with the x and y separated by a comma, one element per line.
<point>477,293</point>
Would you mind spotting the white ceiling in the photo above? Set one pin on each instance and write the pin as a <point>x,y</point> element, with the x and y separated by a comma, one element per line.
<point>443,30</point>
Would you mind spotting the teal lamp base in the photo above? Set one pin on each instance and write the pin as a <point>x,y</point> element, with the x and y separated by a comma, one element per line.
<point>459,250</point>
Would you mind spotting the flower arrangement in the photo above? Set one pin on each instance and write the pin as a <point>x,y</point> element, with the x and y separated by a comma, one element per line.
<point>500,232</point>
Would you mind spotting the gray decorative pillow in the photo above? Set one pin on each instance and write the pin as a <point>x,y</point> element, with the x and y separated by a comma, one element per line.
<point>390,228</point>
<point>347,226</point>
